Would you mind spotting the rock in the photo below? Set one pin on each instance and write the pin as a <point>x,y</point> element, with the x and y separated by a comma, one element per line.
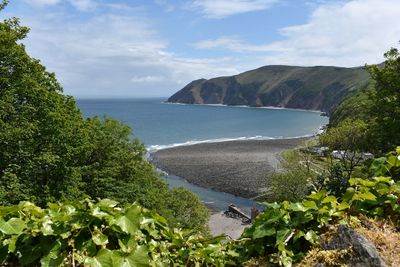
<point>364,253</point>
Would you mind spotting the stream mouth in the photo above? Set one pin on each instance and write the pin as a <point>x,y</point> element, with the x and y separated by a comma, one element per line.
<point>214,200</point>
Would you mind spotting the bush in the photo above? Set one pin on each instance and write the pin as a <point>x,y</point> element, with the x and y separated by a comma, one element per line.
<point>291,185</point>
<point>101,234</point>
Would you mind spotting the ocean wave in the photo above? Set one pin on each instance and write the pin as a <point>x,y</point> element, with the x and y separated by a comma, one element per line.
<point>153,148</point>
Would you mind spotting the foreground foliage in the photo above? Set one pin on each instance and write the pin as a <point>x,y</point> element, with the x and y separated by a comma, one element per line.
<point>107,234</point>
<point>100,234</point>
<point>285,231</point>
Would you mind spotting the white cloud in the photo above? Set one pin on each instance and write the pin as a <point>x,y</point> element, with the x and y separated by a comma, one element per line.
<point>223,8</point>
<point>41,3</point>
<point>120,53</point>
<point>345,34</point>
<point>82,5</point>
<point>232,43</point>
<point>147,79</point>
<point>114,55</point>
<point>349,34</point>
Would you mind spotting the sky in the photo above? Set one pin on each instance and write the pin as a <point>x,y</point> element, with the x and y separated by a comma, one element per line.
<point>143,48</point>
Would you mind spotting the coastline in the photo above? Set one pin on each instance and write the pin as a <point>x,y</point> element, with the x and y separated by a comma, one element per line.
<point>322,113</point>
<point>239,167</point>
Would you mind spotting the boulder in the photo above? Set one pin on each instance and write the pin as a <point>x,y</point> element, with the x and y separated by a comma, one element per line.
<point>364,253</point>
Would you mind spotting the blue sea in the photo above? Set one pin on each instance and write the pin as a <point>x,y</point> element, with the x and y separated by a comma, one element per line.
<point>160,125</point>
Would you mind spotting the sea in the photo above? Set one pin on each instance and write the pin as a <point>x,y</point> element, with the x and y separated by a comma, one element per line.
<point>159,125</point>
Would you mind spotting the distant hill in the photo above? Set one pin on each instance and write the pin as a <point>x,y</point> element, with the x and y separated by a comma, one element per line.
<point>315,88</point>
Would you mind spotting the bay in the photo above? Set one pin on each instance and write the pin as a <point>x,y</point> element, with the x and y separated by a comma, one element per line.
<point>161,125</point>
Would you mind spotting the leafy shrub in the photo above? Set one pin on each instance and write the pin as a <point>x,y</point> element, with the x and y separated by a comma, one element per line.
<point>286,230</point>
<point>295,182</point>
<point>187,210</point>
<point>101,234</point>
<point>387,165</point>
<point>106,234</point>
<point>292,185</point>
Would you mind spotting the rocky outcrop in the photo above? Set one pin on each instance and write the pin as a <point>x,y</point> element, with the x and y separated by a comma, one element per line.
<point>363,252</point>
<point>314,88</point>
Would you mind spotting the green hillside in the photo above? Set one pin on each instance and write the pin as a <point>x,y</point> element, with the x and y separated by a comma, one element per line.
<point>315,88</point>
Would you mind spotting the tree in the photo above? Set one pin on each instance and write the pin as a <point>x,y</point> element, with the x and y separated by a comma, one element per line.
<point>349,137</point>
<point>386,102</point>
<point>187,210</point>
<point>49,152</point>
<point>290,185</point>
<point>43,135</point>
<point>295,180</point>
<point>354,107</point>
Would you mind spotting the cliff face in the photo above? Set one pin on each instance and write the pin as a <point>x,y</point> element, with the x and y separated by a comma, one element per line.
<point>315,88</point>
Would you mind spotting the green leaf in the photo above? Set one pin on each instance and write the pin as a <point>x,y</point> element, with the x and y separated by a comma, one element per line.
<point>46,226</point>
<point>282,234</point>
<point>298,235</point>
<point>55,256</point>
<point>140,257</point>
<point>318,195</point>
<point>343,206</point>
<point>14,226</point>
<point>261,231</point>
<point>130,221</point>
<point>329,199</point>
<point>273,205</point>
<point>104,258</point>
<point>297,207</point>
<point>99,238</point>
<point>107,203</point>
<point>365,196</point>
<point>348,195</point>
<point>286,261</point>
<point>311,236</point>
<point>128,244</point>
<point>11,243</point>
<point>382,179</point>
<point>309,204</point>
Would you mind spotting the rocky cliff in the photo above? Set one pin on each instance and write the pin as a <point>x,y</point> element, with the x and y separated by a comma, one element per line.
<point>314,88</point>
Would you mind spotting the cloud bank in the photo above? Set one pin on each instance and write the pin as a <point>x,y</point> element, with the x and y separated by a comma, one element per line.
<point>349,34</point>
<point>116,49</point>
<point>218,9</point>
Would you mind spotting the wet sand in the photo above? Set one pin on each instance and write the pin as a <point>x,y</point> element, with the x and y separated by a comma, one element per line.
<point>237,167</point>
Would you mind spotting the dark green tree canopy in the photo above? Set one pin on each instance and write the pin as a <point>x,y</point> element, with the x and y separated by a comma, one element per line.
<point>386,107</point>
<point>49,152</point>
<point>378,106</point>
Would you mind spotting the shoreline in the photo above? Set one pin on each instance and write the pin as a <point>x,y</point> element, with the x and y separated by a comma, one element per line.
<point>151,149</point>
<point>238,167</point>
<point>322,113</point>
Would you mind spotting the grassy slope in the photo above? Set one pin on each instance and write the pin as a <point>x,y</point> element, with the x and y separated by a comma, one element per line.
<point>317,88</point>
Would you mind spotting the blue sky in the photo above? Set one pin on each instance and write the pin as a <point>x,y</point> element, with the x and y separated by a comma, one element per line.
<point>140,48</point>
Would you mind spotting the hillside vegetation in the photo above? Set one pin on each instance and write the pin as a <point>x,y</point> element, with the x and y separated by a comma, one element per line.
<point>49,152</point>
<point>378,107</point>
<point>315,88</point>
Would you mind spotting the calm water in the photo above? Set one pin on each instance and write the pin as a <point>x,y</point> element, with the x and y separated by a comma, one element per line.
<point>159,125</point>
